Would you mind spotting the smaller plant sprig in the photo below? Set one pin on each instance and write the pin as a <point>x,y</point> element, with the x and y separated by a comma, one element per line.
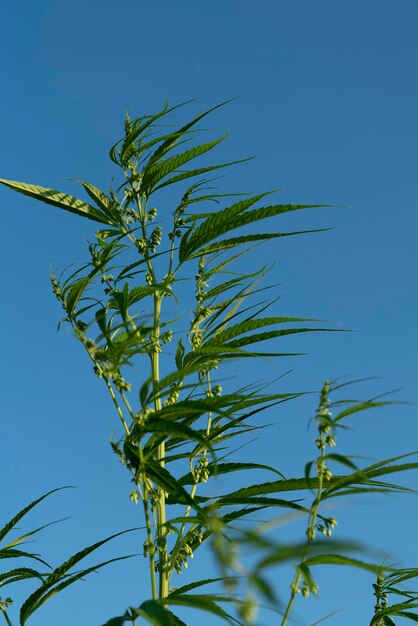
<point>389,583</point>
<point>326,439</point>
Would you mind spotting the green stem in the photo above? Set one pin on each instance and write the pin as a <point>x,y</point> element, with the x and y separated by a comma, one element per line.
<point>116,403</point>
<point>161,506</point>
<point>6,617</point>
<point>155,364</point>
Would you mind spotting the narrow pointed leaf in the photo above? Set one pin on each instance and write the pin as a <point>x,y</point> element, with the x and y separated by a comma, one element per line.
<point>58,199</point>
<point>233,242</point>
<point>12,523</point>
<point>198,172</point>
<point>156,172</point>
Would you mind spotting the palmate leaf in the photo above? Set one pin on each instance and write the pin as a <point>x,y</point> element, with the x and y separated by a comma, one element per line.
<point>136,128</point>
<point>272,334</point>
<point>103,202</point>
<point>58,199</point>
<point>220,222</point>
<point>152,174</point>
<point>198,172</point>
<point>229,219</point>
<point>337,485</point>
<point>222,336</point>
<point>233,242</point>
<point>401,610</point>
<point>232,211</point>
<point>172,140</point>
<point>142,126</point>
<point>213,226</point>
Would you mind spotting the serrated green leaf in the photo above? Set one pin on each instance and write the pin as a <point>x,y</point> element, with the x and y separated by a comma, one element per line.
<point>101,199</point>
<point>155,172</point>
<point>272,334</point>
<point>58,199</point>
<point>140,292</point>
<point>400,610</point>
<point>19,573</point>
<point>195,585</point>
<point>233,242</point>
<point>74,294</point>
<point>363,406</point>
<point>198,172</point>
<point>13,553</point>
<point>232,218</point>
<point>216,222</point>
<point>172,139</point>
<point>248,325</point>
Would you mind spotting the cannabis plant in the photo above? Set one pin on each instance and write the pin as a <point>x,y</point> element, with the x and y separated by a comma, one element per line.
<point>167,237</point>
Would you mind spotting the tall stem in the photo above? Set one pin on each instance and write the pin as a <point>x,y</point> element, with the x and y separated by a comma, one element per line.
<point>161,506</point>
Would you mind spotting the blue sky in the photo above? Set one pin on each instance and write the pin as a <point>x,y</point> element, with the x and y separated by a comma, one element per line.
<point>327,100</point>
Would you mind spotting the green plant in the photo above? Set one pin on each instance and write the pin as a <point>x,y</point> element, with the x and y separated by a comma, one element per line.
<point>161,370</point>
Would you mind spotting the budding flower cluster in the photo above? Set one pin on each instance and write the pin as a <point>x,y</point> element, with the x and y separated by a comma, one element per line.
<point>173,396</point>
<point>5,603</point>
<point>201,473</point>
<point>327,527</point>
<point>56,288</point>
<point>155,345</point>
<point>166,337</point>
<point>134,496</point>
<point>197,339</point>
<point>141,417</point>
<point>309,588</point>
<point>152,214</point>
<point>184,553</point>
<point>155,238</point>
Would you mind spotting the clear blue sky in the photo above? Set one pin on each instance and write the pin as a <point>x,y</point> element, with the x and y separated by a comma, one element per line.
<point>328,101</point>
